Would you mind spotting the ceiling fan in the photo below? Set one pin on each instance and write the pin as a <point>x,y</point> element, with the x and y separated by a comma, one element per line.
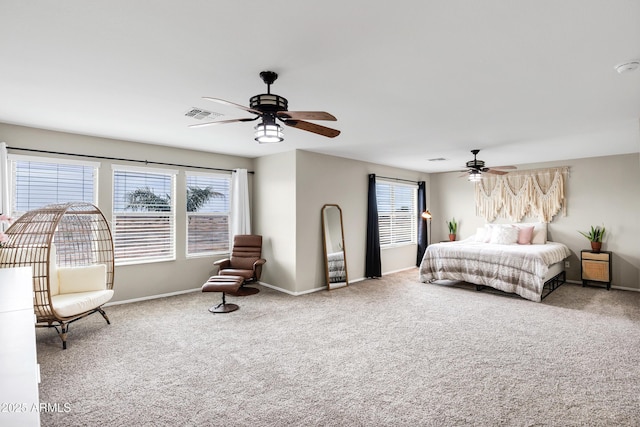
<point>475,168</point>
<point>270,107</point>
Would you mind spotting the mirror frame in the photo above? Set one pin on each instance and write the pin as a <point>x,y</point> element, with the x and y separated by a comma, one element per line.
<point>334,285</point>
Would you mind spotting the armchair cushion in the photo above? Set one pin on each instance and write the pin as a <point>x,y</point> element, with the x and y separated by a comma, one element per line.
<point>68,305</point>
<point>82,279</point>
<point>247,274</point>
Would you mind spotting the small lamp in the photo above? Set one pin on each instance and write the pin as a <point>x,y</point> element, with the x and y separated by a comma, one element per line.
<point>427,215</point>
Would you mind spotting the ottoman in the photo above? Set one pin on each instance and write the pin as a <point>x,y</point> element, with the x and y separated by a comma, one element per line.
<point>224,284</point>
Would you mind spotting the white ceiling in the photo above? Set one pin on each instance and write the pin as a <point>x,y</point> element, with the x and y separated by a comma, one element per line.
<point>525,81</point>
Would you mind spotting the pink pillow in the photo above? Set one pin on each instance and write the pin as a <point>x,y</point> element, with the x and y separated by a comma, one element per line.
<point>525,234</point>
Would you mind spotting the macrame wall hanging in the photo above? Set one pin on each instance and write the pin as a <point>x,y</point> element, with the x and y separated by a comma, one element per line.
<point>536,193</point>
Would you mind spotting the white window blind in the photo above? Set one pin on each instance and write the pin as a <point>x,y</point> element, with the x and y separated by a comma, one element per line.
<point>38,181</point>
<point>207,213</point>
<point>397,216</point>
<point>143,214</point>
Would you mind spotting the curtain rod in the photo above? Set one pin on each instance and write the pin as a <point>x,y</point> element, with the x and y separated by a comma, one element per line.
<point>399,179</point>
<point>146,162</point>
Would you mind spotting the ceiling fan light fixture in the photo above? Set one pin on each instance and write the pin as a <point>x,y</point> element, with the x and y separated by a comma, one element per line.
<point>267,133</point>
<point>475,176</point>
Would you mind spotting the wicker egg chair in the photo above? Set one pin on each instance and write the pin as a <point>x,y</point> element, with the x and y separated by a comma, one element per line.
<point>70,248</point>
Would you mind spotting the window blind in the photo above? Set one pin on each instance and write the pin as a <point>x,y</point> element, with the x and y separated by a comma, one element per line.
<point>144,215</point>
<point>208,198</point>
<point>396,213</point>
<point>37,182</point>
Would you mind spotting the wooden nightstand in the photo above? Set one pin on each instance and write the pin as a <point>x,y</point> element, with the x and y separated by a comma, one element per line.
<point>596,267</point>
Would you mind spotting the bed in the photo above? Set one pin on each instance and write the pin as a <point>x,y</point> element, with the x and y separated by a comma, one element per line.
<point>530,270</point>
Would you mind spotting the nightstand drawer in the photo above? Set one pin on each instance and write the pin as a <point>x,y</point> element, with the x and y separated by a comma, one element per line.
<point>595,270</point>
<point>596,256</point>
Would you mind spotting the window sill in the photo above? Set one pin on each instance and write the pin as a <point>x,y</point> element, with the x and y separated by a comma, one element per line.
<point>139,262</point>
<point>397,245</point>
<point>208,255</point>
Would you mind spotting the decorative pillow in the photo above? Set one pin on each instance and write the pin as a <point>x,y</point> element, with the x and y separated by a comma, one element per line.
<point>481,234</point>
<point>525,234</point>
<point>488,231</point>
<point>82,279</point>
<point>539,232</point>
<point>504,235</point>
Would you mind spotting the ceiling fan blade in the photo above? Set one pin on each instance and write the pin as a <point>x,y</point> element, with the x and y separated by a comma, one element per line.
<point>306,115</point>
<point>504,167</point>
<point>312,127</point>
<point>221,122</point>
<point>232,104</point>
<point>495,172</point>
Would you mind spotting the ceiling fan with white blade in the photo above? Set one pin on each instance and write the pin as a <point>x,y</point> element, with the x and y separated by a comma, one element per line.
<point>270,108</point>
<point>475,168</point>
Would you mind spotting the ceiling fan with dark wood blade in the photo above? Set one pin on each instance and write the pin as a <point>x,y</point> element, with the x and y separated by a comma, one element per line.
<point>270,108</point>
<point>475,168</point>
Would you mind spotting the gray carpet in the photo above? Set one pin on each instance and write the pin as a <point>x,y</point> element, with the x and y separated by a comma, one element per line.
<point>387,352</point>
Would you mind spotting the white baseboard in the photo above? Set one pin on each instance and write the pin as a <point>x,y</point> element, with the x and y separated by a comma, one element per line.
<point>322,288</point>
<point>620,288</point>
<point>170,294</point>
<point>288,292</point>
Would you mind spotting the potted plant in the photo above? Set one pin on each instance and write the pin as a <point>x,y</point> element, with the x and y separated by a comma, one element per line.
<point>453,229</point>
<point>595,236</point>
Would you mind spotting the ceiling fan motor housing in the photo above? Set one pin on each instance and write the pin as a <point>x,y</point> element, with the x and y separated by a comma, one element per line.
<point>475,164</point>
<point>269,102</point>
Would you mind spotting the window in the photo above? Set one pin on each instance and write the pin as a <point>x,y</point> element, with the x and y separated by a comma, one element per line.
<point>207,213</point>
<point>40,181</point>
<point>397,214</point>
<point>143,214</point>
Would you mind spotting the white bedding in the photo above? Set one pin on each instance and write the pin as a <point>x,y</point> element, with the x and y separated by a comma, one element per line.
<point>519,269</point>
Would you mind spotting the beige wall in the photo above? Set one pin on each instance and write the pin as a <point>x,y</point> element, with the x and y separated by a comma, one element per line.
<point>143,280</point>
<point>274,217</point>
<point>289,190</point>
<point>322,179</point>
<point>600,190</point>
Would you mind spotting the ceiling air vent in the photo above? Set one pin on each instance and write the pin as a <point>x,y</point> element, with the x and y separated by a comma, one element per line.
<point>437,159</point>
<point>199,114</point>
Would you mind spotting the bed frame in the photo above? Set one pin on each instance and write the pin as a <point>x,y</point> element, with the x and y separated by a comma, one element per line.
<point>549,286</point>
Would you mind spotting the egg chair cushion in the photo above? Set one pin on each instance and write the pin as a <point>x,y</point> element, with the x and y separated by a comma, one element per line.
<point>68,305</point>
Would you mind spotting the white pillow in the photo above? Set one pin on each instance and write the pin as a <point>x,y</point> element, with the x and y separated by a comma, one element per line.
<point>488,231</point>
<point>481,234</point>
<point>504,235</point>
<point>82,279</point>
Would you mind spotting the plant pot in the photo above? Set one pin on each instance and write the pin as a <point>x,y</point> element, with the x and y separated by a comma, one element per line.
<point>596,246</point>
<point>452,237</point>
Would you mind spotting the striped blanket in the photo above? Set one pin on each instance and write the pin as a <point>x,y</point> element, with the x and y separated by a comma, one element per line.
<point>518,269</point>
<point>335,264</point>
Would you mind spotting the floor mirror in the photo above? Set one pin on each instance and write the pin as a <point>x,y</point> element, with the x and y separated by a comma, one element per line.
<point>335,258</point>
